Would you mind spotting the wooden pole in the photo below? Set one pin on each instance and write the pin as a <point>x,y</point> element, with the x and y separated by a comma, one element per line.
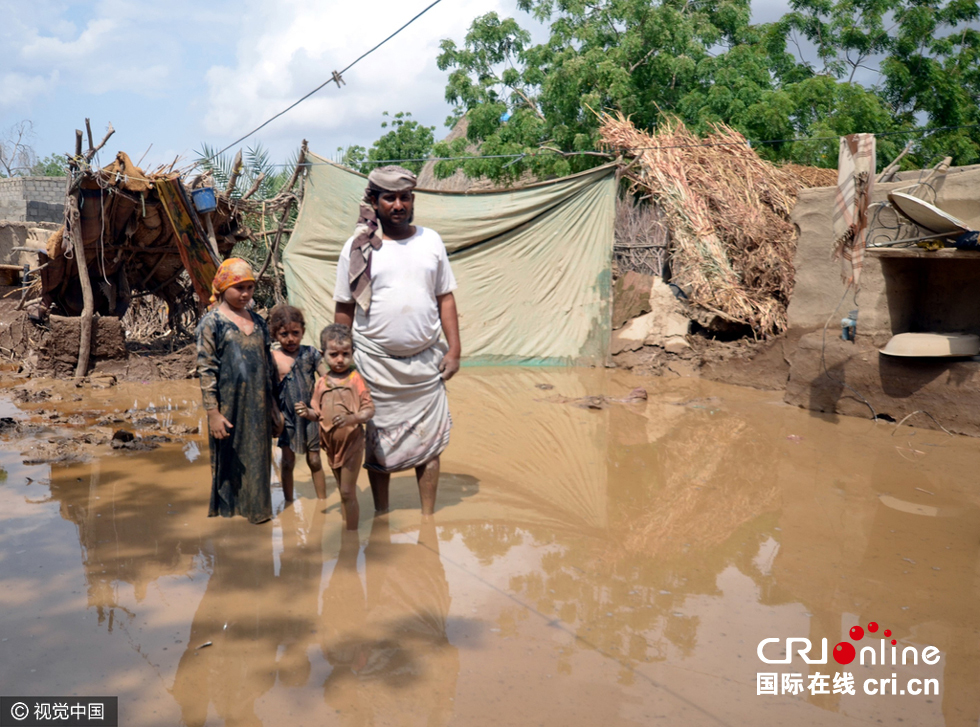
<point>73,227</point>
<point>236,169</point>
<point>283,220</point>
<point>88,300</point>
<point>93,150</point>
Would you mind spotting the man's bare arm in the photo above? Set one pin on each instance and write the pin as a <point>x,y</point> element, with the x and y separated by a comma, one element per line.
<point>344,313</point>
<point>450,328</point>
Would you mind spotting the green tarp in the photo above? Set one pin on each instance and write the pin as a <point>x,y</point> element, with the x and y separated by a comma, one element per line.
<point>533,264</point>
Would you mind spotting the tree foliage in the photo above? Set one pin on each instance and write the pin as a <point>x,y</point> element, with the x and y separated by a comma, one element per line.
<point>19,159</point>
<point>53,165</point>
<point>705,62</point>
<point>255,163</point>
<point>406,143</point>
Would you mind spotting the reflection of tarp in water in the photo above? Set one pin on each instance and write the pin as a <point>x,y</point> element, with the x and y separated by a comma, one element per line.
<point>533,265</point>
<point>546,461</point>
<point>558,464</point>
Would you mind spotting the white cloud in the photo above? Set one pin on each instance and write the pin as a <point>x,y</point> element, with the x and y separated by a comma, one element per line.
<point>51,50</point>
<point>288,50</point>
<point>119,46</point>
<point>19,89</point>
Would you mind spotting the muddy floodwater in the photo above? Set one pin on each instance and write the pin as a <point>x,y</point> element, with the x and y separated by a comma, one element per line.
<point>591,562</point>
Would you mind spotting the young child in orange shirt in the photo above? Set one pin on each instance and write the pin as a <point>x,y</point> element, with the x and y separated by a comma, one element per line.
<point>342,404</point>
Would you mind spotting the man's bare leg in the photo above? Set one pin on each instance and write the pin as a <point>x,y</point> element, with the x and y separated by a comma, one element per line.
<point>380,481</point>
<point>428,477</point>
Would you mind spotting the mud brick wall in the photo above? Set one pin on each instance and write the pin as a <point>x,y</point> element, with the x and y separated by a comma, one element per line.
<point>897,295</point>
<point>32,199</point>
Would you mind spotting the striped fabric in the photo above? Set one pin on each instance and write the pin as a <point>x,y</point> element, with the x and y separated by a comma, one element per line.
<point>855,183</point>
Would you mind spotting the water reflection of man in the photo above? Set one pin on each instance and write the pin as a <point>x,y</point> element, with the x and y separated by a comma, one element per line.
<point>390,653</point>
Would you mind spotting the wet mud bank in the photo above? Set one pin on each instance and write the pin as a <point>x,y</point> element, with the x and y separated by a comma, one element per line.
<point>824,374</point>
<point>594,558</point>
<point>831,375</point>
<point>49,349</point>
<point>56,421</point>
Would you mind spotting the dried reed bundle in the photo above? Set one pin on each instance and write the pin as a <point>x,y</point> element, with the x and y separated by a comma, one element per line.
<point>812,176</point>
<point>728,210</point>
<point>146,318</point>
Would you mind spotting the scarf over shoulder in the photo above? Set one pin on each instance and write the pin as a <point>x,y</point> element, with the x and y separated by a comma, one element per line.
<point>367,233</point>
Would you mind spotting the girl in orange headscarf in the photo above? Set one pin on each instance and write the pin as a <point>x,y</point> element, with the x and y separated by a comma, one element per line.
<point>237,374</point>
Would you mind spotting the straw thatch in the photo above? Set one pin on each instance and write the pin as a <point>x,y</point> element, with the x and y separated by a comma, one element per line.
<point>812,176</point>
<point>731,241</point>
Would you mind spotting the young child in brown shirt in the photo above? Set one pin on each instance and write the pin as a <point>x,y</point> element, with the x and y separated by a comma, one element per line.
<point>342,404</point>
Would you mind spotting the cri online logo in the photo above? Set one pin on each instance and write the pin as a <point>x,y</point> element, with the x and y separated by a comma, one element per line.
<point>844,652</point>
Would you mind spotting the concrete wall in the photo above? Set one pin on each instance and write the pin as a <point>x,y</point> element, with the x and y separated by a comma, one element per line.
<point>23,234</point>
<point>897,295</point>
<point>32,199</point>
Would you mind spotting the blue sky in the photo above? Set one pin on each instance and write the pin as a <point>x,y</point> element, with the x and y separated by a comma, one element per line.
<point>178,73</point>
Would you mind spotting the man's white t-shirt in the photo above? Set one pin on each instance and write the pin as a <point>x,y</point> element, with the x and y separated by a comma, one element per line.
<point>406,277</point>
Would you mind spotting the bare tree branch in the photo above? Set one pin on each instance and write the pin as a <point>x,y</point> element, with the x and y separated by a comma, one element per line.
<point>17,150</point>
<point>94,150</point>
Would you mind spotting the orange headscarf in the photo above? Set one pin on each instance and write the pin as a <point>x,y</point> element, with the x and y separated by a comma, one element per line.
<point>231,272</point>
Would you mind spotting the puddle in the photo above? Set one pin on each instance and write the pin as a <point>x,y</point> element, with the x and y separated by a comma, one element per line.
<point>615,565</point>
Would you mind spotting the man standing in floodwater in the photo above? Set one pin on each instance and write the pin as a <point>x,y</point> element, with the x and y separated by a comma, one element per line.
<point>395,289</point>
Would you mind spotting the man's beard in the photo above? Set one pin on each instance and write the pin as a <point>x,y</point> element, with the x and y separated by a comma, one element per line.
<point>387,220</point>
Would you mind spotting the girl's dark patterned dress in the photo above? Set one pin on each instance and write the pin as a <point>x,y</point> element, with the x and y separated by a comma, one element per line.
<point>237,377</point>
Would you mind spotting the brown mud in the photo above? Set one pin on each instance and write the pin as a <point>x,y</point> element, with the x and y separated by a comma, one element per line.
<point>762,364</point>
<point>613,566</point>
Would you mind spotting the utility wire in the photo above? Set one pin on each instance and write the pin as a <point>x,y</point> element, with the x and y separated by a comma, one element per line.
<point>541,152</point>
<point>335,78</point>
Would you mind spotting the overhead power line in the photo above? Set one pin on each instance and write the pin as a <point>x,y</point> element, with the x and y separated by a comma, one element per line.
<point>542,152</point>
<point>336,77</point>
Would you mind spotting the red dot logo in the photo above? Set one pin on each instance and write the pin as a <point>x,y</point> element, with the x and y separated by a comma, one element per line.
<point>844,653</point>
<point>887,632</point>
<point>873,626</point>
<point>856,633</point>
<point>894,642</point>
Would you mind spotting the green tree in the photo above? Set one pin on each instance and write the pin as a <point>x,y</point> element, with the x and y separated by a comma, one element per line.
<point>925,53</point>
<point>408,140</point>
<point>269,177</point>
<point>256,163</point>
<point>933,69</point>
<point>352,156</point>
<point>706,63</point>
<point>53,165</point>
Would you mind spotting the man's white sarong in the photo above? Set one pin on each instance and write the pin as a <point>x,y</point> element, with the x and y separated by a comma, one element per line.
<point>411,422</point>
